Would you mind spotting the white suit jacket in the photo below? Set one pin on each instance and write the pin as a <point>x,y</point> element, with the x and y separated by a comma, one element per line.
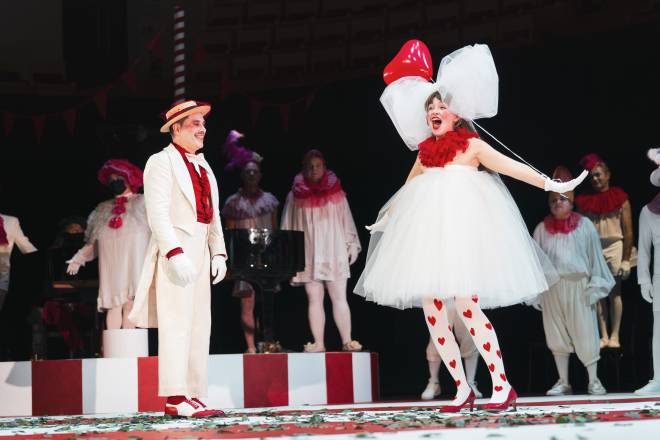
<point>170,201</point>
<point>14,236</point>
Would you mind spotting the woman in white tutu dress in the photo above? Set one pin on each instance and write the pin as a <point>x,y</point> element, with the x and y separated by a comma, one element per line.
<point>453,230</point>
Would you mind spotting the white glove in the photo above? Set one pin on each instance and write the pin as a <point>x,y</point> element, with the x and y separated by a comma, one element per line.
<point>180,270</point>
<point>624,271</point>
<point>562,187</point>
<point>647,292</point>
<point>379,226</point>
<point>73,267</point>
<point>352,253</point>
<point>218,268</point>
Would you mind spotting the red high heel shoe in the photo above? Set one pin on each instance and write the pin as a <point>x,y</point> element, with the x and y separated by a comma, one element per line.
<point>510,401</point>
<point>469,401</point>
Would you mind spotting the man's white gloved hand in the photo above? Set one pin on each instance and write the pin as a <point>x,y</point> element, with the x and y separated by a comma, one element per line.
<point>379,226</point>
<point>562,187</point>
<point>73,267</point>
<point>218,268</point>
<point>180,270</point>
<point>647,292</point>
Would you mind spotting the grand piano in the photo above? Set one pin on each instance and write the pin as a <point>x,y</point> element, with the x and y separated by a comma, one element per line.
<point>265,258</point>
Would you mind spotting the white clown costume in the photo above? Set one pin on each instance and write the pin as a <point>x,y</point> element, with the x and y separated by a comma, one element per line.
<point>569,307</point>
<point>649,238</point>
<point>453,230</point>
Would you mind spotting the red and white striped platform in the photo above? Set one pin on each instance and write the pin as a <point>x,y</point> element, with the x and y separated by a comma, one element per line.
<point>97,386</point>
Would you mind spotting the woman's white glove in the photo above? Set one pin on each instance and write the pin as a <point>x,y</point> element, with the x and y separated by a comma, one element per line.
<point>180,270</point>
<point>647,292</point>
<point>379,226</point>
<point>73,267</point>
<point>563,187</point>
<point>218,268</point>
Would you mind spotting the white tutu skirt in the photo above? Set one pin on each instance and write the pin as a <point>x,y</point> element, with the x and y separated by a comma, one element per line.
<point>454,232</point>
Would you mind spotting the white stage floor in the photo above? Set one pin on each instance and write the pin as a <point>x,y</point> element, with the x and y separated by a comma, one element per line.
<point>578,417</point>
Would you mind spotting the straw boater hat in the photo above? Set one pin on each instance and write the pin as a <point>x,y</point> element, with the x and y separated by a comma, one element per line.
<point>654,155</point>
<point>183,109</point>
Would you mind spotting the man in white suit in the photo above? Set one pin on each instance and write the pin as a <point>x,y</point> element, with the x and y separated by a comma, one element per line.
<point>187,249</point>
<point>10,234</point>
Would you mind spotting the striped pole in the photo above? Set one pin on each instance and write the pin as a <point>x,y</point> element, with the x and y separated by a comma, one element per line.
<point>179,55</point>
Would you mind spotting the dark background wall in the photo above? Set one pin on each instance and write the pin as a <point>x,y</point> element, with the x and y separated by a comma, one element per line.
<point>563,93</point>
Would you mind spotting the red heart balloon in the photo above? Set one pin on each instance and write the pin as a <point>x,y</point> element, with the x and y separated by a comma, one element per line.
<point>413,59</point>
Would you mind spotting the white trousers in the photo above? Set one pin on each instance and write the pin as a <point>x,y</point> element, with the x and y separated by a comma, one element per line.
<point>184,322</point>
<point>570,322</point>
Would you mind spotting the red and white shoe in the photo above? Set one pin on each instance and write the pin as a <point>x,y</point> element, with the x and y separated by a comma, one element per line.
<point>190,408</point>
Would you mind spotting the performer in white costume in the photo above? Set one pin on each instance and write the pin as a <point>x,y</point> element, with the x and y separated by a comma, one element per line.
<point>453,230</point>
<point>118,233</point>
<point>318,206</point>
<point>569,308</point>
<point>186,251</point>
<point>649,283</point>
<point>609,209</point>
<point>10,234</point>
<point>249,207</point>
<point>469,354</point>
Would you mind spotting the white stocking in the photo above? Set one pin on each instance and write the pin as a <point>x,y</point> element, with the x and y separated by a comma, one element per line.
<point>315,311</point>
<point>435,314</point>
<point>340,311</point>
<point>656,346</point>
<point>485,339</point>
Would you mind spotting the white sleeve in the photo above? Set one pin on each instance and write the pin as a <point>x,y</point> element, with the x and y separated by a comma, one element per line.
<point>601,280</point>
<point>22,242</point>
<point>158,181</point>
<point>644,248</point>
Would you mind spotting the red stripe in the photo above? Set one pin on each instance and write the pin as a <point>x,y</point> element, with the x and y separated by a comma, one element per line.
<point>339,377</point>
<point>179,40</point>
<point>179,52</point>
<point>57,387</point>
<point>265,380</point>
<point>148,399</point>
<point>180,63</point>
<point>180,74</point>
<point>375,377</point>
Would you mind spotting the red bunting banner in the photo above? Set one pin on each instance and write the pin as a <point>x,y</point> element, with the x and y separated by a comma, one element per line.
<point>156,44</point>
<point>7,122</point>
<point>130,79</point>
<point>284,111</point>
<point>38,122</point>
<point>69,118</point>
<point>101,101</point>
<point>255,110</point>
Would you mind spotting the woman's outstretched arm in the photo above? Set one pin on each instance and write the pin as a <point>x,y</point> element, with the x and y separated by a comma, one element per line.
<point>498,162</point>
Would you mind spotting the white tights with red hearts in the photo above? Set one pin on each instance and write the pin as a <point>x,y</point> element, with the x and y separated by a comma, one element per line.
<point>483,335</point>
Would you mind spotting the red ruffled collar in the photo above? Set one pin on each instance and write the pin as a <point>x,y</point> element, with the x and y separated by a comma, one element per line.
<point>563,226</point>
<point>603,202</point>
<point>439,152</point>
<point>653,205</point>
<point>328,189</point>
<point>3,233</point>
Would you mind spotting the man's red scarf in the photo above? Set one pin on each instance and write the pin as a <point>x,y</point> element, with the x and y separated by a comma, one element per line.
<point>327,190</point>
<point>603,202</point>
<point>563,226</point>
<point>439,152</point>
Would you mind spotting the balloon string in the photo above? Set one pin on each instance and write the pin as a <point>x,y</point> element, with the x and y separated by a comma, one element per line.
<point>509,149</point>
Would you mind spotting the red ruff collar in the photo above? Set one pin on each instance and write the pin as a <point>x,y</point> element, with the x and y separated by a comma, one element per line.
<point>3,233</point>
<point>317,194</point>
<point>602,202</point>
<point>565,226</point>
<point>439,152</point>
